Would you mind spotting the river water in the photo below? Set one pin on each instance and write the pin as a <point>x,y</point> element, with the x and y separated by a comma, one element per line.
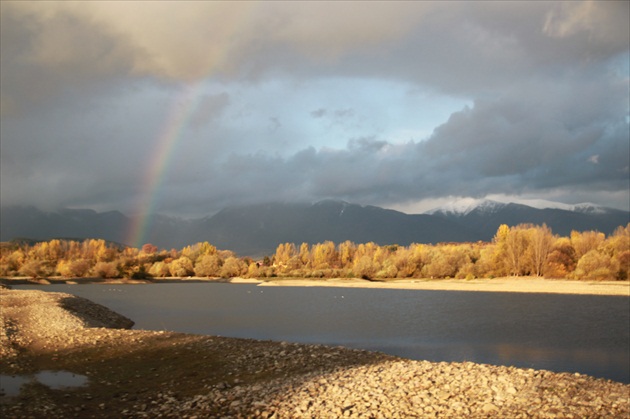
<point>565,333</point>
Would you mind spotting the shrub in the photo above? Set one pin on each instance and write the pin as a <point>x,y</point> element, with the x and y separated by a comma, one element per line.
<point>106,270</point>
<point>181,267</point>
<point>141,273</point>
<point>208,265</point>
<point>233,267</point>
<point>74,268</point>
<point>364,267</point>
<point>596,265</point>
<point>160,270</point>
<point>35,269</point>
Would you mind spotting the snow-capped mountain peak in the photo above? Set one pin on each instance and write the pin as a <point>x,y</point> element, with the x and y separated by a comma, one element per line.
<point>584,207</point>
<point>589,208</point>
<point>465,206</point>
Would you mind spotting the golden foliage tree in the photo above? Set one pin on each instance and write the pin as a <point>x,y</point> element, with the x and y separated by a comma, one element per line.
<point>521,250</point>
<point>584,242</point>
<point>324,255</point>
<point>106,270</point>
<point>233,267</point>
<point>618,246</point>
<point>208,265</point>
<point>561,260</point>
<point>160,269</point>
<point>540,243</point>
<point>181,267</point>
<point>284,252</point>
<point>596,265</point>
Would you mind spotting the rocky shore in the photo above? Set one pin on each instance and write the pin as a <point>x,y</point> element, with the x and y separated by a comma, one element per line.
<point>134,373</point>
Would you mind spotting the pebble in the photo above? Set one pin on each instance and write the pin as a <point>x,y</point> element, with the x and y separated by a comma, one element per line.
<point>354,392</point>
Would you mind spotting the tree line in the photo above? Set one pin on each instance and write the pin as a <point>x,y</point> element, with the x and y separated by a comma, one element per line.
<point>521,250</point>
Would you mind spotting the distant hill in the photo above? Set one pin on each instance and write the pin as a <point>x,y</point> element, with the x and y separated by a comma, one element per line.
<point>32,223</point>
<point>485,217</point>
<point>256,230</point>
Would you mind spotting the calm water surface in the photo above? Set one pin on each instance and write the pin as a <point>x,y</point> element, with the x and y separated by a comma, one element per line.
<point>573,333</point>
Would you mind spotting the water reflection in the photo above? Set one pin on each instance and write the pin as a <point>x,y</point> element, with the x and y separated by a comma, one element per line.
<point>58,380</point>
<point>11,385</point>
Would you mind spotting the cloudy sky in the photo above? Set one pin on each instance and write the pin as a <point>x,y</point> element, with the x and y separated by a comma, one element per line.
<point>187,107</point>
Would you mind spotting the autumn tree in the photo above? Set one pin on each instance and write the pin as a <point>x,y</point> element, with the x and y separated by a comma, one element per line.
<point>149,249</point>
<point>420,256</point>
<point>35,269</point>
<point>208,265</point>
<point>324,255</point>
<point>363,267</point>
<point>148,253</point>
<point>284,252</point>
<point>233,267</point>
<point>516,244</point>
<point>387,269</point>
<point>181,267</point>
<point>403,262</point>
<point>561,260</point>
<point>494,258</point>
<point>365,249</point>
<point>305,255</point>
<point>160,269</point>
<point>446,261</point>
<point>618,247</point>
<point>347,250</point>
<point>596,265</point>
<point>586,241</point>
<point>55,250</point>
<point>106,270</point>
<point>540,244</point>
<point>12,261</point>
<point>76,268</point>
<point>253,271</point>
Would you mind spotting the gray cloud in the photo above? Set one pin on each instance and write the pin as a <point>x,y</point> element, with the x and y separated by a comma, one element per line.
<point>318,113</point>
<point>505,146</point>
<point>274,124</point>
<point>86,89</point>
<point>210,108</point>
<point>53,53</point>
<point>481,46</point>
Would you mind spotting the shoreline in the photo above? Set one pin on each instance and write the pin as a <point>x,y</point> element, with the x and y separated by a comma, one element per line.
<point>506,284</point>
<point>137,373</point>
<point>503,284</point>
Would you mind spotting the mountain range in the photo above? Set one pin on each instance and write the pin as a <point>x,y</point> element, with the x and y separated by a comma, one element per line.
<point>256,230</point>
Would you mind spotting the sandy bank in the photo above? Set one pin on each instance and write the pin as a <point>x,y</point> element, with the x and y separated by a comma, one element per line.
<point>508,284</point>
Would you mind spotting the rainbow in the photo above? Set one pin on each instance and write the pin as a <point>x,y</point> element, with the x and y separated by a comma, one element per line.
<point>183,107</point>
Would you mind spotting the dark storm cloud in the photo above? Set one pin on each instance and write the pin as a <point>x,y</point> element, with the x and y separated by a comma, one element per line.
<point>506,146</point>
<point>463,48</point>
<point>86,87</point>
<point>48,56</point>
